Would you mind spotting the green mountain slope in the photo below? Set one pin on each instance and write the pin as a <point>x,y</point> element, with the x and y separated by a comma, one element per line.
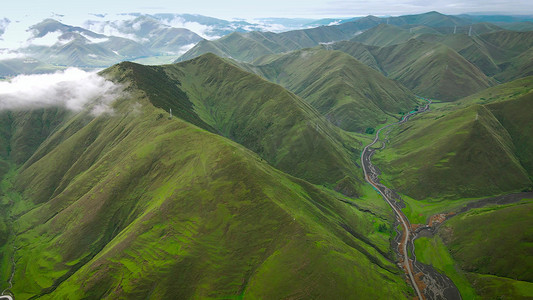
<point>497,52</point>
<point>465,150</point>
<point>264,117</point>
<point>349,94</point>
<point>488,247</point>
<point>428,69</point>
<point>384,35</point>
<point>131,205</point>
<point>249,46</point>
<point>431,19</point>
<point>491,52</point>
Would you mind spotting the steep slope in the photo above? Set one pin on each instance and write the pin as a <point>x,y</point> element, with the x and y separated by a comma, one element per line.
<point>361,52</point>
<point>21,133</point>
<point>428,69</point>
<point>487,250</point>
<point>515,116</point>
<point>431,19</point>
<point>76,46</point>
<point>251,45</point>
<point>384,35</point>
<point>477,243</point>
<point>492,52</point>
<point>434,71</point>
<point>497,52</point>
<point>267,119</point>
<point>349,94</point>
<point>468,149</point>
<point>517,67</point>
<point>131,205</point>
<point>462,154</point>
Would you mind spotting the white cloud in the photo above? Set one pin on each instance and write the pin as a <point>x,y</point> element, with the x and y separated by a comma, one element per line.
<point>72,89</point>
<point>94,40</point>
<point>15,36</point>
<point>9,54</point>
<point>202,30</point>
<point>182,49</point>
<point>111,28</point>
<point>50,39</point>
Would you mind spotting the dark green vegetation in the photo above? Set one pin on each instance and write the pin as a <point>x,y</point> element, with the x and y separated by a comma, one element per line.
<point>466,150</point>
<point>253,189</point>
<point>252,45</point>
<point>264,117</point>
<point>134,205</point>
<point>349,94</point>
<point>487,249</point>
<point>503,54</point>
<point>429,69</point>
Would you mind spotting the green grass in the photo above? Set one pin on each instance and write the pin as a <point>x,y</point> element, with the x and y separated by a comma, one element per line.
<point>135,206</point>
<point>433,251</point>
<point>445,154</point>
<point>494,287</point>
<point>267,119</point>
<point>349,94</point>
<point>493,240</point>
<point>430,70</point>
<point>485,251</point>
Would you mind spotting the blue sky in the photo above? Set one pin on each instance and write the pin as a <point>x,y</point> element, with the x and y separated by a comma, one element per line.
<point>256,9</point>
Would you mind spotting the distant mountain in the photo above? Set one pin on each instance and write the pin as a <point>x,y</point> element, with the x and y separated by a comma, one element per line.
<point>66,45</point>
<point>252,45</point>
<point>384,35</point>
<point>150,32</point>
<point>501,53</point>
<point>519,26</point>
<point>348,93</point>
<point>76,46</point>
<point>491,52</point>
<point>429,70</point>
<point>16,66</point>
<point>430,19</point>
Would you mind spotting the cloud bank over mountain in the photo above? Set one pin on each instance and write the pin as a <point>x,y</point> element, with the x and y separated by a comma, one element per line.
<point>73,89</point>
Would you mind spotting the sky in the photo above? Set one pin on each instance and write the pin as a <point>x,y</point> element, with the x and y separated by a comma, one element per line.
<point>249,9</point>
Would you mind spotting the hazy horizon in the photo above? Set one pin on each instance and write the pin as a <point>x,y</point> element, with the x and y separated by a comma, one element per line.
<point>240,9</point>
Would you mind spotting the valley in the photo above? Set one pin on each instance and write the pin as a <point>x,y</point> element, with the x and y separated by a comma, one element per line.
<point>353,158</point>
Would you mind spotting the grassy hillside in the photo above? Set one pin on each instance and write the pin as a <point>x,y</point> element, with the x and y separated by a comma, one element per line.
<point>361,52</point>
<point>485,251</point>
<point>428,69</point>
<point>433,71</point>
<point>432,19</point>
<point>494,53</point>
<point>384,35</point>
<point>132,205</point>
<point>349,94</point>
<point>21,133</point>
<point>504,54</point>
<point>465,150</point>
<point>279,126</point>
<point>249,46</point>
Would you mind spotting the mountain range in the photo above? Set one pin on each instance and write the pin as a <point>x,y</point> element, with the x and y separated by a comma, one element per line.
<point>236,173</point>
